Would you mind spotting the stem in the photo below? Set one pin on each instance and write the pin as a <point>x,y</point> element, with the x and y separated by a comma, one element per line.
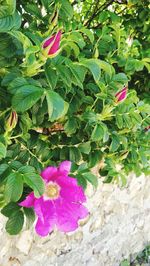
<point>1,114</point>
<point>30,152</point>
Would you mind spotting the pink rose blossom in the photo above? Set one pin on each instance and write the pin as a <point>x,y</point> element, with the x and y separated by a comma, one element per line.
<point>61,203</point>
<point>51,45</point>
<point>121,95</point>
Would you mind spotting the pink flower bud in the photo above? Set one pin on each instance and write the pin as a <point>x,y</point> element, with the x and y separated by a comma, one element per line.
<point>51,45</point>
<point>12,121</point>
<point>121,95</point>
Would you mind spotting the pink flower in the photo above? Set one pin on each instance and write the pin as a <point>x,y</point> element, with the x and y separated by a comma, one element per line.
<point>51,45</point>
<point>61,203</point>
<point>121,95</point>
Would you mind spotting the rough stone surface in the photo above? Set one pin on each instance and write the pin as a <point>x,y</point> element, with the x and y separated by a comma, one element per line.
<point>118,225</point>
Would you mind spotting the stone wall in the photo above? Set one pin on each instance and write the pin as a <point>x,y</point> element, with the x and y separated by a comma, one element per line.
<point>119,224</point>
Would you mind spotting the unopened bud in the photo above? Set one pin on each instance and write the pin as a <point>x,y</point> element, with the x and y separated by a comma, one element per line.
<point>50,46</point>
<point>11,121</point>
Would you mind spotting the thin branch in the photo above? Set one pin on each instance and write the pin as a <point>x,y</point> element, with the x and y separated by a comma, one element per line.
<point>100,9</point>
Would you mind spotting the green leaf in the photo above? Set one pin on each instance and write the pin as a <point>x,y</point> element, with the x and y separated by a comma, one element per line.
<point>57,107</point>
<point>125,263</point>
<point>66,9</point>
<point>24,40</point>
<point>94,66</point>
<point>51,76</point>
<point>5,170</point>
<point>26,169</point>
<point>94,158</point>
<point>36,182</point>
<point>71,126</point>
<point>120,77</point>
<point>30,215</point>
<point>97,133</point>
<point>78,74</point>
<point>89,34</point>
<point>15,223</point>
<point>103,16</point>
<point>106,67</point>
<point>127,120</point>
<point>85,147</point>
<point>119,120</point>
<point>81,181</point>
<point>10,208</point>
<point>136,118</point>
<point>74,154</point>
<point>11,22</point>
<point>65,74</point>
<point>91,178</point>
<point>115,143</point>
<point>7,8</point>
<point>14,187</point>
<point>74,47</point>
<point>25,97</point>
<point>2,150</point>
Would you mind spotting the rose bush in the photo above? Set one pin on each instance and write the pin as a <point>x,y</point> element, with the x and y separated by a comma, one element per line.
<point>74,87</point>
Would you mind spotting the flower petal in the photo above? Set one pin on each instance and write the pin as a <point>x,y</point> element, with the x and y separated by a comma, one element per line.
<point>29,201</point>
<point>70,190</point>
<point>56,44</point>
<point>65,167</point>
<point>44,209</point>
<point>49,173</point>
<point>121,95</point>
<point>48,41</point>
<point>68,215</point>
<point>43,228</point>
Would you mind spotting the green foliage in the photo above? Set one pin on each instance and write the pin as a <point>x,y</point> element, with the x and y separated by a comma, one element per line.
<point>141,259</point>
<point>64,108</point>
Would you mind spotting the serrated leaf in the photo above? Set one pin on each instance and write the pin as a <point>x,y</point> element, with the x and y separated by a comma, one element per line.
<point>11,22</point>
<point>57,107</point>
<point>7,8</point>
<point>88,33</point>
<point>30,215</point>
<point>71,126</point>
<point>115,143</point>
<point>15,223</point>
<point>91,178</point>
<point>25,97</point>
<point>136,118</point>
<point>2,150</point>
<point>119,120</point>
<point>94,66</point>
<point>97,133</point>
<point>120,77</point>
<point>14,187</point>
<point>10,208</point>
<point>36,182</point>
<point>94,158</point>
<point>51,76</point>
<point>66,9</point>
<point>78,74</point>
<point>85,147</point>
<point>26,169</point>
<point>81,181</point>
<point>24,40</point>
<point>65,74</point>
<point>74,154</point>
<point>106,67</point>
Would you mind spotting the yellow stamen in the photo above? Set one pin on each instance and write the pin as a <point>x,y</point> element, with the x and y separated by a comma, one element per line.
<point>52,191</point>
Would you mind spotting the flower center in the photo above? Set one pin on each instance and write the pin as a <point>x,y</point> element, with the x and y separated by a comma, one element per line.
<point>52,191</point>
